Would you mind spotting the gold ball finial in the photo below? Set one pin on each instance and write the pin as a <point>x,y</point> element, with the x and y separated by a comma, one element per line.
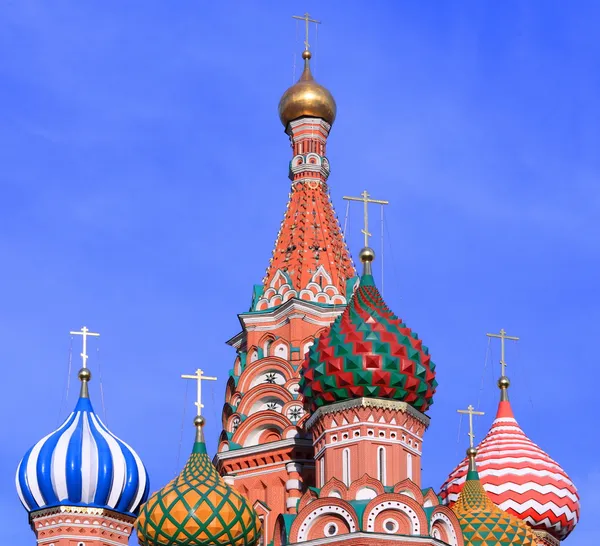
<point>471,452</point>
<point>367,254</point>
<point>306,54</point>
<point>199,421</point>
<point>504,382</point>
<point>84,374</point>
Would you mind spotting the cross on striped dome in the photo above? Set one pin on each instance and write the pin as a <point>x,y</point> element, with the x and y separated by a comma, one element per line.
<point>520,477</point>
<point>83,464</point>
<point>197,508</point>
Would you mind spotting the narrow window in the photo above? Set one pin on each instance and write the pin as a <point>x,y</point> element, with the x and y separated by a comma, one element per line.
<point>381,464</point>
<point>409,466</point>
<point>346,467</point>
<point>322,471</point>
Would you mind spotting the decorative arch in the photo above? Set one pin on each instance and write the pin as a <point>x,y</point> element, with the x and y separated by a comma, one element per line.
<point>253,428</point>
<point>226,413</point>
<point>253,355</point>
<point>409,488</point>
<point>430,499</point>
<point>308,497</point>
<point>237,366</point>
<point>444,520</point>
<point>283,366</point>
<point>264,390</point>
<point>317,510</point>
<point>334,485</point>
<point>223,441</point>
<point>265,343</point>
<point>365,481</point>
<point>393,502</point>
<point>230,389</point>
<point>294,411</point>
<point>281,349</point>
<point>280,537</point>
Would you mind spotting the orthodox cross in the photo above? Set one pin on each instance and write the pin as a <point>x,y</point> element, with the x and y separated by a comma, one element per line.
<point>199,377</point>
<point>306,18</point>
<point>365,198</point>
<point>470,411</point>
<point>502,336</point>
<point>84,333</point>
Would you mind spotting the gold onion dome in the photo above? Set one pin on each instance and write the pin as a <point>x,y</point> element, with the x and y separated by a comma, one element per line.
<point>197,508</point>
<point>307,98</point>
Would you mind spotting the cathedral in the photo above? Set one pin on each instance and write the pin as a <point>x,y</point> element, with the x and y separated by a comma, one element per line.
<point>323,423</point>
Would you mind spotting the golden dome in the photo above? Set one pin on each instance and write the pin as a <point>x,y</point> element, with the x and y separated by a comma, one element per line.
<point>306,98</point>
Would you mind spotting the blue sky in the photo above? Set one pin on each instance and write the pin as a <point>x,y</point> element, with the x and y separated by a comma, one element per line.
<point>144,177</point>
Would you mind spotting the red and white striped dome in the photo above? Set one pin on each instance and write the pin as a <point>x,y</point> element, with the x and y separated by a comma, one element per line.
<point>520,478</point>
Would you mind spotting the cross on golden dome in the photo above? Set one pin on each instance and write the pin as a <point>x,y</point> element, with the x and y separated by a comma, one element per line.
<point>306,18</point>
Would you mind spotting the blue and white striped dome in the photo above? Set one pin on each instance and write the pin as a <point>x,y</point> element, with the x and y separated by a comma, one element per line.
<point>82,464</point>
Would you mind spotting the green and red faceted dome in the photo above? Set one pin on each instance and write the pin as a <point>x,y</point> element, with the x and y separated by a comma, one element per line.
<point>368,352</point>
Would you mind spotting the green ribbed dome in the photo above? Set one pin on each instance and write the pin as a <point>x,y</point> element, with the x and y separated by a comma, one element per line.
<point>197,509</point>
<point>368,351</point>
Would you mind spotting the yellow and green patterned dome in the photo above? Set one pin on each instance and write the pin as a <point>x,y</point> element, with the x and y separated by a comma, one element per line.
<point>197,508</point>
<point>482,522</point>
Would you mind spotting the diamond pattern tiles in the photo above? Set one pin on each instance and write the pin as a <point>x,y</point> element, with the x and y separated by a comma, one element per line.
<point>484,524</point>
<point>368,351</point>
<point>520,478</point>
<point>197,509</point>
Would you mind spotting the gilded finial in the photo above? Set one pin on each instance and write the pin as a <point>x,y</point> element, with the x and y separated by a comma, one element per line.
<point>85,377</point>
<point>199,422</point>
<point>366,256</point>
<point>503,384</point>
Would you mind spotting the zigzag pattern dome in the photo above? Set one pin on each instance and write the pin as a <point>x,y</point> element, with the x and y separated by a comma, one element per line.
<point>197,509</point>
<point>520,478</point>
<point>82,463</point>
<point>368,351</point>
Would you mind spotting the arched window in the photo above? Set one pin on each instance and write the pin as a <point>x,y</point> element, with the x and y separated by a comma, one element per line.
<point>346,467</point>
<point>322,471</point>
<point>409,466</point>
<point>381,464</point>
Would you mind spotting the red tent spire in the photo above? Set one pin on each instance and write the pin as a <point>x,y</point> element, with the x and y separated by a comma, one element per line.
<point>310,260</point>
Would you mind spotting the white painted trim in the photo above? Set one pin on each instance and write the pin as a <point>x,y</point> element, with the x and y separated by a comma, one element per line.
<point>394,539</point>
<point>260,448</point>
